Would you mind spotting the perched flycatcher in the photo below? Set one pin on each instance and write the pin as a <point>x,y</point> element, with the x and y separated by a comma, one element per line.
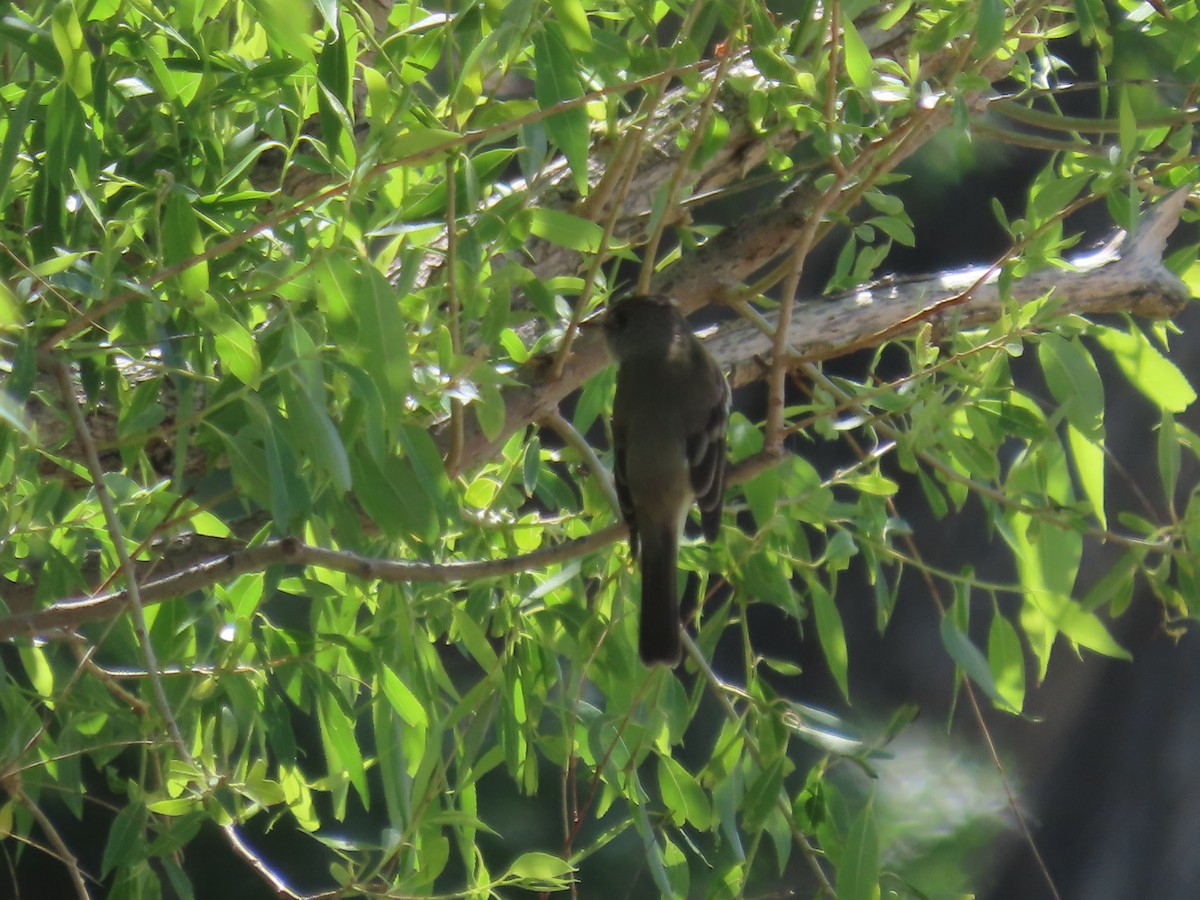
<point>668,427</point>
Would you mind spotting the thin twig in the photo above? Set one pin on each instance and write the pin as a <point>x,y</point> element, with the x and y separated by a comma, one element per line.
<point>55,839</point>
<point>569,433</point>
<point>116,534</point>
<point>719,690</point>
<point>684,164</point>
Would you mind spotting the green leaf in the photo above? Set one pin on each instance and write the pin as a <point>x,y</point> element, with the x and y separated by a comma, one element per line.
<point>859,864</point>
<point>38,670</point>
<point>237,351</point>
<point>1115,587</point>
<point>393,497</point>
<point>573,20</point>
<point>126,842</point>
<point>403,700</point>
<point>1088,455</point>
<point>286,488</point>
<point>303,388</point>
<point>968,658</point>
<point>1159,379</point>
<point>418,143</point>
<point>1094,26</point>
<point>682,795</point>
<point>287,23</point>
<point>333,74</point>
<point>181,241</point>
<point>177,807</point>
<point>72,49</point>
<point>1086,630</point>
<point>342,753</point>
<point>832,635</point>
<point>1168,456</point>
<point>17,120</point>
<point>383,334</point>
<point>422,454</point>
<point>1007,662</point>
<point>764,579</point>
<point>314,432</point>
<point>490,410</point>
<point>13,414</point>
<point>531,464</point>
<point>762,795</point>
<point>543,867</point>
<point>1073,380</point>
<point>762,494</point>
<point>329,12</point>
<point>475,640</point>
<point>1050,193</point>
<point>858,58</point>
<point>989,28</point>
<point>1127,123</point>
<point>564,229</point>
<point>556,81</point>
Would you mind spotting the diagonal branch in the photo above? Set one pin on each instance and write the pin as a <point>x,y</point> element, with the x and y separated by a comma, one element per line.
<point>1131,278</point>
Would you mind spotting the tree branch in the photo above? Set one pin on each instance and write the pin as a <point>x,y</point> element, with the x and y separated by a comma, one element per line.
<point>70,613</point>
<point>1129,279</point>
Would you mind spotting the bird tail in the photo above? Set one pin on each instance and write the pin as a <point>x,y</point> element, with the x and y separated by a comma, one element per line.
<point>659,641</point>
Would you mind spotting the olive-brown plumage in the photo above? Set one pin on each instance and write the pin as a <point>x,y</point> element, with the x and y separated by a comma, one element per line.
<point>669,417</point>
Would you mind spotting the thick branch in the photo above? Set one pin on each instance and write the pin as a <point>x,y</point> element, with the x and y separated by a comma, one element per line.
<point>1131,279</point>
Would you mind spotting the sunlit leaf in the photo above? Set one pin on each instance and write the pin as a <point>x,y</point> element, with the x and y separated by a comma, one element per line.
<point>557,82</point>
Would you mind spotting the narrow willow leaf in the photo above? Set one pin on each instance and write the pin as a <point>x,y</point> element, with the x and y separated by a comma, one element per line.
<point>544,867</point>
<point>832,635</point>
<point>653,853</point>
<point>383,334</point>
<point>762,795</point>
<point>557,81</point>
<point>329,12</point>
<point>1007,662</point>
<point>237,351</point>
<point>403,700</point>
<point>1073,380</point>
<point>342,753</point>
<point>1168,456</point>
<point>72,49</point>
<point>417,143</point>
<point>1157,377</point>
<point>857,56</point>
<point>126,842</point>
<point>969,658</point>
<point>858,868</point>
<point>1088,456</point>
<point>1127,123</point>
<point>564,229</point>
<point>393,497</point>
<point>682,795</point>
<point>1086,630</point>
<point>333,74</point>
<point>573,20</point>
<point>989,28</point>
<point>315,432</point>
<point>181,241</point>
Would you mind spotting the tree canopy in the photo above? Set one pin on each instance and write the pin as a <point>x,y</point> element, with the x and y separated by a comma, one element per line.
<point>311,576</point>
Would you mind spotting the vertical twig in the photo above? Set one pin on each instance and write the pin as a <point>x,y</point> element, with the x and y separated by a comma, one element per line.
<point>685,160</point>
<point>113,524</point>
<point>52,835</point>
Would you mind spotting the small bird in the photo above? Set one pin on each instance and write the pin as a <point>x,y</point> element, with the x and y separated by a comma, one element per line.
<point>668,426</point>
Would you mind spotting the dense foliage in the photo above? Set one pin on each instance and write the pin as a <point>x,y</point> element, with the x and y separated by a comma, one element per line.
<point>303,280</point>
